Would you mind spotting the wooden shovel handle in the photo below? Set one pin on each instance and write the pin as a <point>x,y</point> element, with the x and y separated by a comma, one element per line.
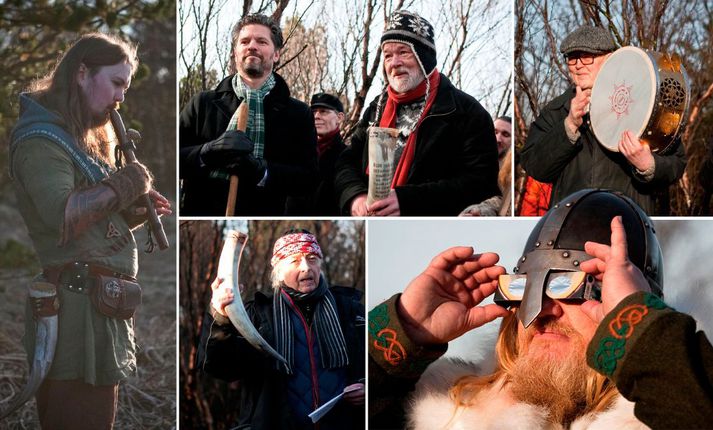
<point>233,191</point>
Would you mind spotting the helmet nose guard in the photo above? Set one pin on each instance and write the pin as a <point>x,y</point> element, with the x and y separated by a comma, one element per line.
<point>557,242</point>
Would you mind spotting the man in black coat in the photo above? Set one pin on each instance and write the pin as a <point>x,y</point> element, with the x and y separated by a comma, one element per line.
<point>318,329</point>
<point>561,148</point>
<point>328,114</point>
<point>273,159</point>
<point>446,157</point>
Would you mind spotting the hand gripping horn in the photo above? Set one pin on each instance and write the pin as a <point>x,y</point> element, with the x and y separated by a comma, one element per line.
<point>45,343</point>
<point>228,270</point>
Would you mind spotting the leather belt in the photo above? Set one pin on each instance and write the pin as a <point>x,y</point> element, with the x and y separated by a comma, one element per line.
<point>78,276</point>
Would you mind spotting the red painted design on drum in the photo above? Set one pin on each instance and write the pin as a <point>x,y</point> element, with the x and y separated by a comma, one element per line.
<point>621,100</point>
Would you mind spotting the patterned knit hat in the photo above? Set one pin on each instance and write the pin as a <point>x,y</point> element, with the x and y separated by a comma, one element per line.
<point>409,28</point>
<point>294,242</point>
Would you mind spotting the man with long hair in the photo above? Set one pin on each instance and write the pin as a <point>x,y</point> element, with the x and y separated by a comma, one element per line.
<point>79,208</point>
<point>274,158</point>
<point>582,315</point>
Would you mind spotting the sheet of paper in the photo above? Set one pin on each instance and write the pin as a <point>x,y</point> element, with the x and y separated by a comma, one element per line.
<point>322,410</point>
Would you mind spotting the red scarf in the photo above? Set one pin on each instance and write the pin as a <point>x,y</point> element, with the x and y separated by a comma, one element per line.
<point>325,142</point>
<point>388,119</point>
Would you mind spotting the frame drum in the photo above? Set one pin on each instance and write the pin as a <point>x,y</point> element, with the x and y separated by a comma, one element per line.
<point>645,92</point>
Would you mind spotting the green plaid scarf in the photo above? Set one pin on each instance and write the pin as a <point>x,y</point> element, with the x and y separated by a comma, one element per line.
<point>256,119</point>
<point>256,116</point>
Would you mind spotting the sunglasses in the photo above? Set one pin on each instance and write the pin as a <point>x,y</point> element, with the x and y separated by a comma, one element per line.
<point>585,59</point>
<point>559,285</point>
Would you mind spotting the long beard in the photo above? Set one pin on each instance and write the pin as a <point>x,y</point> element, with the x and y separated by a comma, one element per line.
<point>99,138</point>
<point>556,383</point>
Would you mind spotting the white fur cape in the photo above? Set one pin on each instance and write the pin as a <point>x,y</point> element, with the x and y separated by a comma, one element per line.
<point>432,409</point>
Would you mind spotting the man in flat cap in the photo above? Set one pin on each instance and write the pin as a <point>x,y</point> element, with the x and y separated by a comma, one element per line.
<point>446,157</point>
<point>561,148</point>
<point>328,114</point>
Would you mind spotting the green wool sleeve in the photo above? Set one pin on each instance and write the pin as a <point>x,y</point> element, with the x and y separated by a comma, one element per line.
<point>395,365</point>
<point>47,175</point>
<point>620,330</point>
<point>657,360</point>
<point>390,347</point>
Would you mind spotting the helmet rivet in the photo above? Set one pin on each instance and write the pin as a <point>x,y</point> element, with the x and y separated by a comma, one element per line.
<point>575,262</point>
<point>557,206</point>
<point>537,244</point>
<point>550,242</point>
<point>568,204</point>
<point>523,259</point>
<point>565,254</point>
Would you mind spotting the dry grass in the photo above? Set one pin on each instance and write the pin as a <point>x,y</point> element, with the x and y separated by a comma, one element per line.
<point>148,399</point>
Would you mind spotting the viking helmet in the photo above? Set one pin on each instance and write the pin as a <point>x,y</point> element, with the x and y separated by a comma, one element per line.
<point>557,242</point>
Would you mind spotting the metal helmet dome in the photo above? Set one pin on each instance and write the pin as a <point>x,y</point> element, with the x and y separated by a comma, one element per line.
<point>557,242</point>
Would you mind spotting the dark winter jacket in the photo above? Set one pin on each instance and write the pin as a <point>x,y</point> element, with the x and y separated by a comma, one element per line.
<point>324,201</point>
<point>548,156</point>
<point>290,152</point>
<point>264,390</point>
<point>455,164</point>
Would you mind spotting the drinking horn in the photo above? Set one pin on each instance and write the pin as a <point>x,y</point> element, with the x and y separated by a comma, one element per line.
<point>43,299</point>
<point>228,270</point>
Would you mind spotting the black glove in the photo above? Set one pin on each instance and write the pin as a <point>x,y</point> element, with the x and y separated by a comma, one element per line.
<point>248,168</point>
<point>226,149</point>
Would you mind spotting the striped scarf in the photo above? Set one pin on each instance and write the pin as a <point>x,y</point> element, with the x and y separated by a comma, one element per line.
<point>256,119</point>
<point>332,346</point>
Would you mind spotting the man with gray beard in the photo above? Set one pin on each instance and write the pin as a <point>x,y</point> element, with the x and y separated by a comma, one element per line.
<point>446,156</point>
<point>582,315</point>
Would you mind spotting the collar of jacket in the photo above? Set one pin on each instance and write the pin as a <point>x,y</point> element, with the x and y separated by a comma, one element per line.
<point>228,102</point>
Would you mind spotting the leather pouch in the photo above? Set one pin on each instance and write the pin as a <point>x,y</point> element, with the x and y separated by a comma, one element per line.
<point>116,298</point>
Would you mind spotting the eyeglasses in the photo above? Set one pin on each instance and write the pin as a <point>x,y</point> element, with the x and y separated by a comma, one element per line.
<point>560,285</point>
<point>584,59</point>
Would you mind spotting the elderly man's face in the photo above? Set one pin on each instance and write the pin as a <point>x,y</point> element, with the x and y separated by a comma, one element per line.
<point>254,52</point>
<point>585,75</point>
<point>560,331</point>
<point>104,90</point>
<point>401,65</point>
<point>300,272</point>
<point>326,120</point>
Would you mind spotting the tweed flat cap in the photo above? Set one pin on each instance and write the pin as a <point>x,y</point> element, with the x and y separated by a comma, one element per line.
<point>594,40</point>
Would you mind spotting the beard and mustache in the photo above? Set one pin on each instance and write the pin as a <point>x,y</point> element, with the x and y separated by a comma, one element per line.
<point>406,83</point>
<point>255,69</point>
<point>554,380</point>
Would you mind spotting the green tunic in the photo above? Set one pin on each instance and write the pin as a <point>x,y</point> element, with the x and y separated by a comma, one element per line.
<point>90,347</point>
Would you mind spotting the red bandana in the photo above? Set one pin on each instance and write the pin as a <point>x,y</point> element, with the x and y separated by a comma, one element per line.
<point>388,119</point>
<point>290,244</point>
<point>325,142</point>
